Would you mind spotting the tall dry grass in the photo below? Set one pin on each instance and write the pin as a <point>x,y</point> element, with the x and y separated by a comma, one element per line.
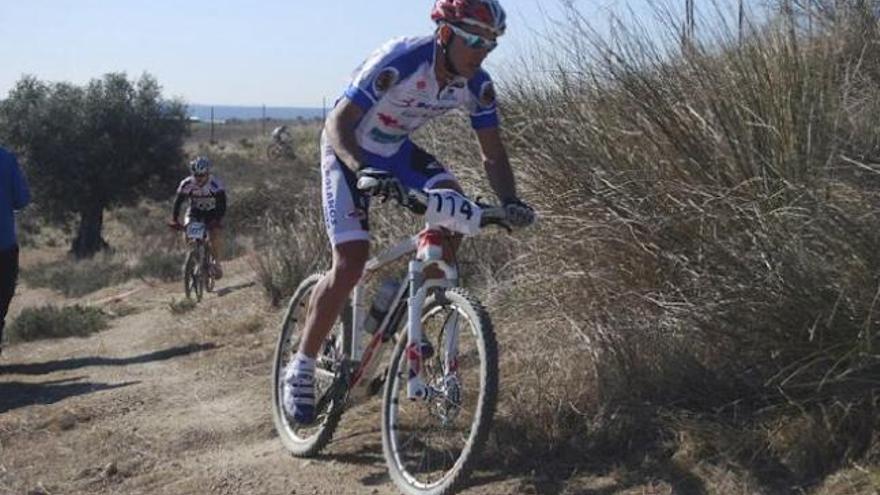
<point>703,280</point>
<point>707,241</point>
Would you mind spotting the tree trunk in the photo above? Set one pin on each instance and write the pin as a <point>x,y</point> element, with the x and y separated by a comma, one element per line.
<point>88,239</point>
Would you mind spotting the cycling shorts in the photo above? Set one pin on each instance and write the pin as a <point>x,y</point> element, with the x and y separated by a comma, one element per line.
<point>346,209</point>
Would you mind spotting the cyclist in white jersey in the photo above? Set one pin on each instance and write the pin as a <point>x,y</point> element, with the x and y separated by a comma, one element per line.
<point>207,203</point>
<point>401,86</point>
<point>281,134</point>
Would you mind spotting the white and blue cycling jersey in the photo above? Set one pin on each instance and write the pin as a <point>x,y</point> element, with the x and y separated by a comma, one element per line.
<point>397,89</point>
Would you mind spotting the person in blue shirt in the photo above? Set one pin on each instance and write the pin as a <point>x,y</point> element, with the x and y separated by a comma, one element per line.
<point>14,195</point>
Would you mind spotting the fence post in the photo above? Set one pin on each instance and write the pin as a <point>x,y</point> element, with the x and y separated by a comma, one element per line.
<point>688,31</point>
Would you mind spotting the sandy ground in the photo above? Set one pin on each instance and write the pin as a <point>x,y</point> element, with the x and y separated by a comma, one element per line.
<point>172,404</point>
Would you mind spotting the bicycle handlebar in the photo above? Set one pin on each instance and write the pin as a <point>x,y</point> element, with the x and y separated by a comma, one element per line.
<point>491,214</point>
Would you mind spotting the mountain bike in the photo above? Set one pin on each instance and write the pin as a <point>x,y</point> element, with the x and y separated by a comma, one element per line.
<point>440,385</point>
<point>198,277</point>
<point>280,150</point>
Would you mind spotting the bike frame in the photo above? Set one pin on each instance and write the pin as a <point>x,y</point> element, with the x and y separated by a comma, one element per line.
<point>417,287</point>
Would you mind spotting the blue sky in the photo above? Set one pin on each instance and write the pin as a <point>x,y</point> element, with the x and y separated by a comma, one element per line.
<point>226,52</point>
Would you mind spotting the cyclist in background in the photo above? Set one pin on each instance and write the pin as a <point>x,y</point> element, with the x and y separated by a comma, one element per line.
<point>207,203</point>
<point>400,87</point>
<point>281,134</point>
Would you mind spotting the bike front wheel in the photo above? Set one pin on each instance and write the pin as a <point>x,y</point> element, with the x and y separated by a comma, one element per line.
<point>199,274</point>
<point>190,279</point>
<point>330,375</point>
<point>432,445</point>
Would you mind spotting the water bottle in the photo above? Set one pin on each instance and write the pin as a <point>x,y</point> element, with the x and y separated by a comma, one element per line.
<point>381,303</point>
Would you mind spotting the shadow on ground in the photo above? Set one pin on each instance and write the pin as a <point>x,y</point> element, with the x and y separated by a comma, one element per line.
<point>223,291</point>
<point>14,395</point>
<point>569,472</point>
<point>76,363</point>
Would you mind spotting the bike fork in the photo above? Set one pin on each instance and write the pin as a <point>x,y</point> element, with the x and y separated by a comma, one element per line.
<point>415,349</point>
<point>415,386</point>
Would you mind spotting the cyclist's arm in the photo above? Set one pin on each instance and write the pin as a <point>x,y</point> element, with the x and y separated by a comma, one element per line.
<point>341,124</point>
<point>177,204</point>
<point>221,203</point>
<point>496,163</point>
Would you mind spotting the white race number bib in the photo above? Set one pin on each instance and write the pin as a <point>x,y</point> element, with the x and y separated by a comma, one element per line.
<point>195,230</point>
<point>450,209</point>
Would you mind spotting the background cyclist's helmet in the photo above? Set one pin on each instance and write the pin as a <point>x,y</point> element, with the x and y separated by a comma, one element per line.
<point>200,165</point>
<point>487,14</point>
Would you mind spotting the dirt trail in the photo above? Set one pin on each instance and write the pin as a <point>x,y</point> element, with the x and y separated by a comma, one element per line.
<point>173,404</point>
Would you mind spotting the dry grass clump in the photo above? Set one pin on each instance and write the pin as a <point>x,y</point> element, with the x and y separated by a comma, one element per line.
<point>293,245</point>
<point>51,322</point>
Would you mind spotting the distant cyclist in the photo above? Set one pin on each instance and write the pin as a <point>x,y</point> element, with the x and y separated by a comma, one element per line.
<point>400,87</point>
<point>281,134</point>
<point>281,146</point>
<point>207,203</point>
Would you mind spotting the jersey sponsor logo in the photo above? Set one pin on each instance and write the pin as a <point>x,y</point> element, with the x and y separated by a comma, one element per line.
<point>487,94</point>
<point>421,84</point>
<point>422,116</point>
<point>203,203</point>
<point>385,80</point>
<point>389,121</point>
<point>357,214</point>
<point>383,137</point>
<point>413,103</point>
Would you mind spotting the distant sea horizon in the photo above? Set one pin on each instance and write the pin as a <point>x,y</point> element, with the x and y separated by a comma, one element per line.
<point>244,112</point>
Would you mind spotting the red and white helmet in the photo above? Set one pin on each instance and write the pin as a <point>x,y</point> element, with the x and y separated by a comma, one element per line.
<point>487,14</point>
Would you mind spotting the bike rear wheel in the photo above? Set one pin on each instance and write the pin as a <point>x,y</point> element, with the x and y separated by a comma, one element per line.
<point>207,269</point>
<point>330,375</point>
<point>280,151</point>
<point>432,445</point>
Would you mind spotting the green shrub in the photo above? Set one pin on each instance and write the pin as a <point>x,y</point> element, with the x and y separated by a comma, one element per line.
<point>180,307</point>
<point>161,265</point>
<point>51,322</point>
<point>76,278</point>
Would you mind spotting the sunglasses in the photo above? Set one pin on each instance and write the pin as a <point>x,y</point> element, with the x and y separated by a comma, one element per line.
<point>474,41</point>
<point>200,175</point>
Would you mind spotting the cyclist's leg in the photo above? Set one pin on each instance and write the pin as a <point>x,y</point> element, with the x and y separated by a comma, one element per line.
<point>331,292</point>
<point>345,216</point>
<point>347,224</point>
<point>187,218</point>
<point>421,170</point>
<point>215,245</point>
<point>8,277</point>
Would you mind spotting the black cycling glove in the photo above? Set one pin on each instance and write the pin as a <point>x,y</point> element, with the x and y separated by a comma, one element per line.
<point>519,214</point>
